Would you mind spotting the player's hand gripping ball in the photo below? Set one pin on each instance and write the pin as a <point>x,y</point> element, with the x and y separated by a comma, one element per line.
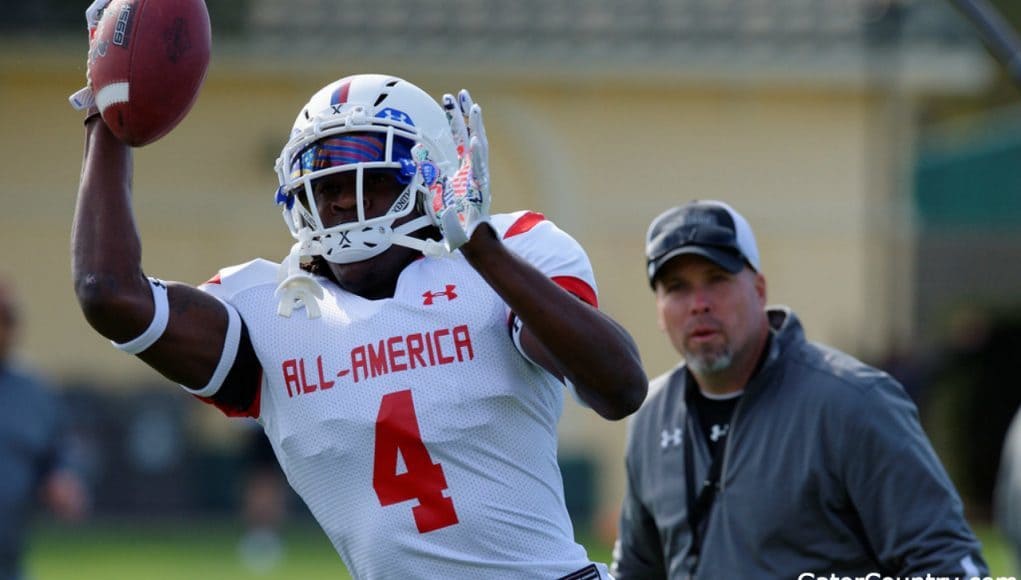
<point>147,60</point>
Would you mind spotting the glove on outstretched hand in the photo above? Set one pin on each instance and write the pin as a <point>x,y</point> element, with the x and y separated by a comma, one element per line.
<point>464,202</point>
<point>83,98</point>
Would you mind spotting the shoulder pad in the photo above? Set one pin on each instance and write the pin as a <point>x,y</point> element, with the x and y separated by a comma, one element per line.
<point>508,225</point>
<point>233,279</point>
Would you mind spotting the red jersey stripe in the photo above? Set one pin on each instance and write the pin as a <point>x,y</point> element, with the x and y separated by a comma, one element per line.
<point>252,411</point>
<point>256,408</point>
<point>524,223</point>
<point>578,287</point>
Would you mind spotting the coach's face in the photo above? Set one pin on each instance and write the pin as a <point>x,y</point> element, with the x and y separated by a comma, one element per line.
<point>714,318</point>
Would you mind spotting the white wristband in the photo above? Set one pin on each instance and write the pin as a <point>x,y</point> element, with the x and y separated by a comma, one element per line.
<point>159,321</point>
<point>227,355</point>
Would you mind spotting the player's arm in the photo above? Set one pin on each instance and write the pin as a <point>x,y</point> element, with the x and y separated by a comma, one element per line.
<point>115,295</point>
<point>568,337</point>
<point>565,335</point>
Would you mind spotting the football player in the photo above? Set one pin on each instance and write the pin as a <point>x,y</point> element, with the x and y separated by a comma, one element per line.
<point>407,359</point>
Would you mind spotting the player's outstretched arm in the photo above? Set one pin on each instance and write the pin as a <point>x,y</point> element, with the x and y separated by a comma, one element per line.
<point>178,330</point>
<point>114,293</point>
<point>565,335</point>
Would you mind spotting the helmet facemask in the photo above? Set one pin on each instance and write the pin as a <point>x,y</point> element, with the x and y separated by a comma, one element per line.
<point>362,150</point>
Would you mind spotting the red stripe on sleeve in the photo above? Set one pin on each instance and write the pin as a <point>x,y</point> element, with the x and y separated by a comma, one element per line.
<point>578,287</point>
<point>524,223</point>
<point>214,280</point>
<point>256,408</point>
<point>252,411</point>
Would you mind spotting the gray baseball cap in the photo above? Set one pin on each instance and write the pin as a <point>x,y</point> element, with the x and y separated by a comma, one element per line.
<point>707,228</point>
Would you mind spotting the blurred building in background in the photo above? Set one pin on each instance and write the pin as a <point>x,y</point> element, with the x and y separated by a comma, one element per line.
<point>804,114</point>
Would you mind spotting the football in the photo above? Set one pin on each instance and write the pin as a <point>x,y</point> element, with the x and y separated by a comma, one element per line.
<point>147,62</point>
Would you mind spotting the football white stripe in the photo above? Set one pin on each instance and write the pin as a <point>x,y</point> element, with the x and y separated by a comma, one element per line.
<point>111,95</point>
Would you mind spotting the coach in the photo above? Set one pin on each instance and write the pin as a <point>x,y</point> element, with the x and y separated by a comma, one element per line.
<point>765,455</point>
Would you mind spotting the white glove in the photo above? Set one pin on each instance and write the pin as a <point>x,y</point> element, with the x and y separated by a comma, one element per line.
<point>464,203</point>
<point>83,98</point>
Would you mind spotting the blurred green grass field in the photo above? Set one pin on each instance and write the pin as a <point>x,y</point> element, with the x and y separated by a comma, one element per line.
<point>176,550</point>
<point>180,550</point>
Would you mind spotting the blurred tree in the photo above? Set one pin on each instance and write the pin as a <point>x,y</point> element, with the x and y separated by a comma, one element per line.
<point>43,16</point>
<point>36,18</point>
<point>1002,92</point>
<point>976,386</point>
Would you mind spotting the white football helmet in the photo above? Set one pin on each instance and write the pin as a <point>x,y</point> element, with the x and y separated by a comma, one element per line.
<point>361,122</point>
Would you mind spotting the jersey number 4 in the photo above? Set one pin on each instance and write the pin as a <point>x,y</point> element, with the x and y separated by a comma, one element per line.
<point>397,432</point>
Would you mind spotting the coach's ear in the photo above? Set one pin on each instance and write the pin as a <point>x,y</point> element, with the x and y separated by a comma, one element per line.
<point>760,288</point>
<point>660,320</point>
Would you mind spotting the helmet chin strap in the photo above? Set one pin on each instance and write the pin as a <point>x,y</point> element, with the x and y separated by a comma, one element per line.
<point>297,288</point>
<point>431,248</point>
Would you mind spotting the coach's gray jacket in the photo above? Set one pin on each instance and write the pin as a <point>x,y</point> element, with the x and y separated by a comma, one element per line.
<point>826,471</point>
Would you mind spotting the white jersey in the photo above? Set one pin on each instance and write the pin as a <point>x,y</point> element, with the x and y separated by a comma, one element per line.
<point>420,438</point>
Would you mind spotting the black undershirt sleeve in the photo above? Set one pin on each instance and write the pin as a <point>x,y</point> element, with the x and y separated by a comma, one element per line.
<point>238,394</point>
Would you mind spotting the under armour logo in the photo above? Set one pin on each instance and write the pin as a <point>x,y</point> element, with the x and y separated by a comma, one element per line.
<point>670,438</point>
<point>718,432</point>
<point>427,296</point>
<point>395,115</point>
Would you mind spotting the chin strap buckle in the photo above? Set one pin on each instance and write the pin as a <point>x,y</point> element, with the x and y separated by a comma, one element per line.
<point>297,288</point>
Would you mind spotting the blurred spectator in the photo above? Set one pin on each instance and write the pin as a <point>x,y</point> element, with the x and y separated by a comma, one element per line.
<point>914,369</point>
<point>980,359</point>
<point>265,498</point>
<point>33,449</point>
<point>1008,488</point>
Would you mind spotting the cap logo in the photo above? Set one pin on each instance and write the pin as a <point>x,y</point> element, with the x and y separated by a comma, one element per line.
<point>711,230</point>
<point>700,219</point>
